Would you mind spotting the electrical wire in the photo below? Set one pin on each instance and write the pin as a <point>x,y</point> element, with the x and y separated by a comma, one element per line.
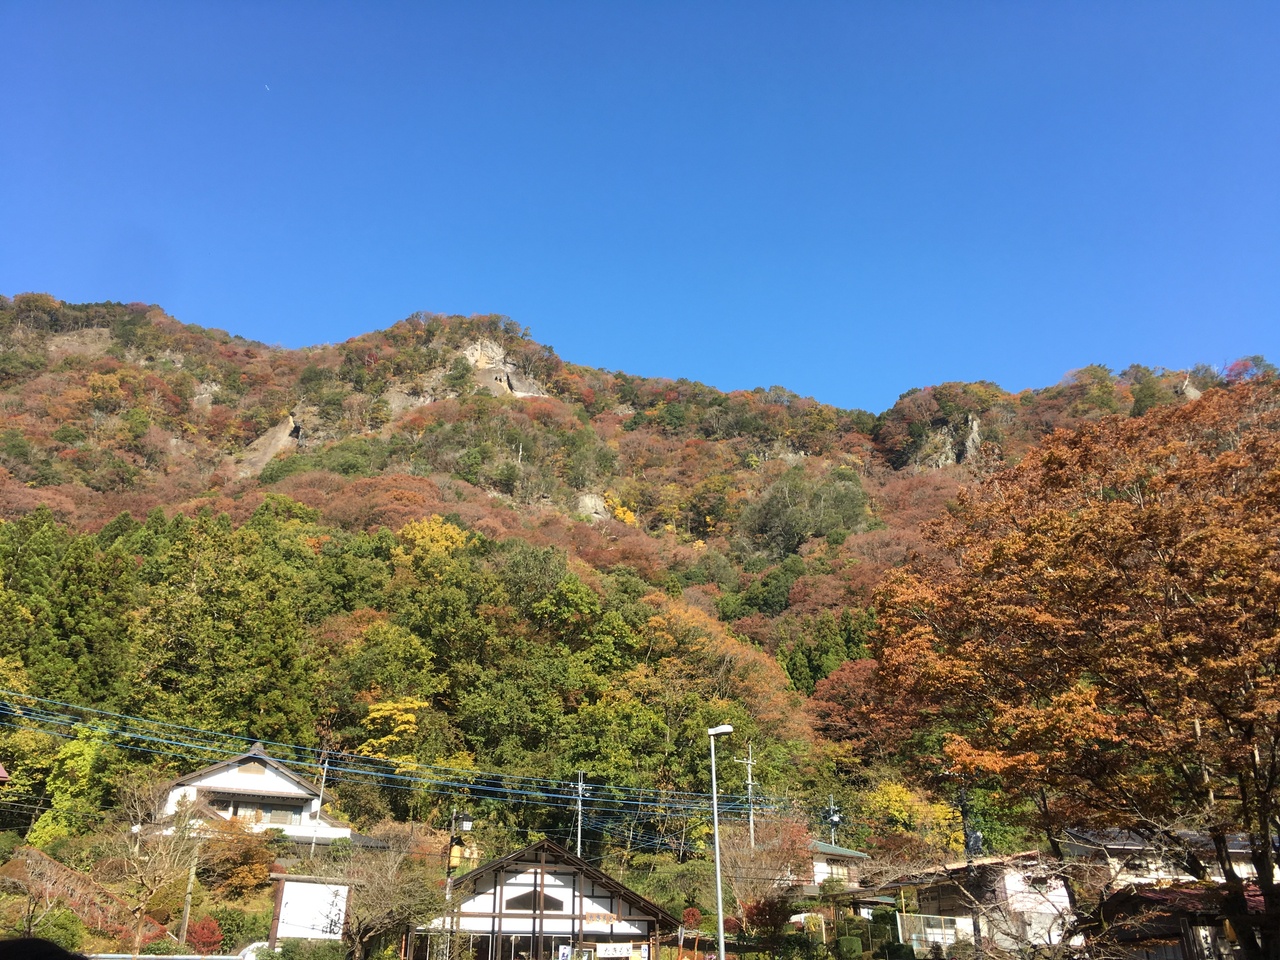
<point>190,744</point>
<point>452,777</point>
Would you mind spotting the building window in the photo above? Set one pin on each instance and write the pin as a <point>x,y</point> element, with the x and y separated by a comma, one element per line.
<point>282,816</point>
<point>246,810</point>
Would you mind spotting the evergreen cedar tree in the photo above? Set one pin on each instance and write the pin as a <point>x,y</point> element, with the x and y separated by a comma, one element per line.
<point>1103,636</point>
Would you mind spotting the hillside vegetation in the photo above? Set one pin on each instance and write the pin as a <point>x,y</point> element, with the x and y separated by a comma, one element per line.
<point>441,547</point>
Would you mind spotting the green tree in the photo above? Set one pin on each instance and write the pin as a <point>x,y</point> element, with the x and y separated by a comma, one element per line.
<point>225,648</point>
<point>77,789</point>
<point>87,658</point>
<point>797,507</point>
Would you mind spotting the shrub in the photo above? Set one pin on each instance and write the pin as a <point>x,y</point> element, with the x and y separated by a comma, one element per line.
<point>9,842</point>
<point>158,945</point>
<point>239,929</point>
<point>312,950</point>
<point>61,927</point>
<point>205,936</point>
<point>237,861</point>
<point>69,434</point>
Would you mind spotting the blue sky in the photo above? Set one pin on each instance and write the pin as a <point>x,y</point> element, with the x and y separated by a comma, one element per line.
<point>848,199</point>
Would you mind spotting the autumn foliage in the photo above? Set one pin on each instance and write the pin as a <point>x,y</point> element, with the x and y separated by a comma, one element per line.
<point>1106,640</point>
<point>1060,604</point>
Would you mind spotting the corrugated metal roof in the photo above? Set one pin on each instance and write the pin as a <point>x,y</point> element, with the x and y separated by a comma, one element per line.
<point>831,850</point>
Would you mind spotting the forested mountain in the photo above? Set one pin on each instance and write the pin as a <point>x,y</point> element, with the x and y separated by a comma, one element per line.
<point>442,547</point>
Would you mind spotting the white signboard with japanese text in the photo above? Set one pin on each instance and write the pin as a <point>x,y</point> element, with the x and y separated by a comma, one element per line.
<point>312,911</point>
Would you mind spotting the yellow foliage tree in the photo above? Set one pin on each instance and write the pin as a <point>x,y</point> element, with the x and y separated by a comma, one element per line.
<point>432,538</point>
<point>407,732</point>
<point>620,511</point>
<point>892,805</point>
<point>396,723</point>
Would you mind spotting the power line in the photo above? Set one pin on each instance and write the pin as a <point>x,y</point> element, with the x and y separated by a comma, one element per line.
<point>195,744</point>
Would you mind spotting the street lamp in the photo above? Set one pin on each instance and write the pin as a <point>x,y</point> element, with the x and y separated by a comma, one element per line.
<point>459,823</point>
<point>723,730</point>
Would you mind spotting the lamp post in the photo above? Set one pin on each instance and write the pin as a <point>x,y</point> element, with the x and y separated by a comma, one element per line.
<point>459,823</point>
<point>720,731</point>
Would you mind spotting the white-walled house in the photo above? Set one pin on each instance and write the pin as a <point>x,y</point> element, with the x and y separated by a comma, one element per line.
<point>544,903</point>
<point>260,792</point>
<point>830,864</point>
<point>1126,858</point>
<point>1019,900</point>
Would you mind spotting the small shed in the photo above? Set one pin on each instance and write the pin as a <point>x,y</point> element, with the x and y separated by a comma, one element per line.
<point>544,903</point>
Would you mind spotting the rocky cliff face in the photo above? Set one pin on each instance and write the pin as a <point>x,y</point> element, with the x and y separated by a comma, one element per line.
<point>283,436</point>
<point>942,448</point>
<point>496,373</point>
<point>973,442</point>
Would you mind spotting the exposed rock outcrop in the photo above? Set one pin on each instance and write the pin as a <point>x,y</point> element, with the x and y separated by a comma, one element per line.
<point>91,342</point>
<point>402,398</point>
<point>283,436</point>
<point>206,390</point>
<point>592,506</point>
<point>497,374</point>
<point>937,449</point>
<point>973,442</point>
<point>1187,390</point>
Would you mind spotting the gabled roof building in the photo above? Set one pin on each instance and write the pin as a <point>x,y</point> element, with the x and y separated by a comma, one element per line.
<point>544,903</point>
<point>831,864</point>
<point>260,792</point>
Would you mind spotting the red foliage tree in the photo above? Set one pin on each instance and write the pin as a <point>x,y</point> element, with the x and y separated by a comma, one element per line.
<point>205,936</point>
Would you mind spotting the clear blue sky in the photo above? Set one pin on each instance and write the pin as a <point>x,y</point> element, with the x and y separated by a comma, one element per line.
<point>849,199</point>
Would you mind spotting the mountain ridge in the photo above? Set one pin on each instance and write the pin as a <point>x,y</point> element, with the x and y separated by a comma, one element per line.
<point>134,369</point>
<point>758,505</point>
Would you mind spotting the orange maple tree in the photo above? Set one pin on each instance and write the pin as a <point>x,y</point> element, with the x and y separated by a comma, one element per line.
<point>1103,636</point>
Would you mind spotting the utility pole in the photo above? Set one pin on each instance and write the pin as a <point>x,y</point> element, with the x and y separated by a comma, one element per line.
<point>751,806</point>
<point>324,774</point>
<point>186,901</point>
<point>833,816</point>
<point>580,792</point>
